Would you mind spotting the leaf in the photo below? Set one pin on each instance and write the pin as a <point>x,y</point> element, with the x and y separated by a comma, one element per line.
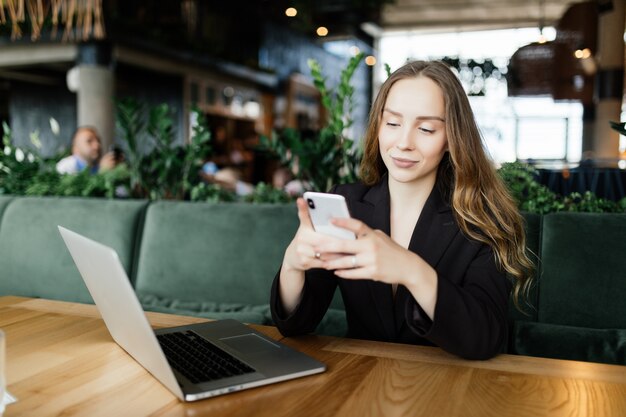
<point>619,127</point>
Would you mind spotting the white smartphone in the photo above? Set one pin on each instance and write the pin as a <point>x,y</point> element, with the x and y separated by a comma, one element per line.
<point>323,207</point>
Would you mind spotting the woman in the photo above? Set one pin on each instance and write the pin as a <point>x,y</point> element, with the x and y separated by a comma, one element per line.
<point>438,233</point>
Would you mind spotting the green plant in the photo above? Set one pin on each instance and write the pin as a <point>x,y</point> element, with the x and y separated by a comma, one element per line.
<point>211,193</point>
<point>17,166</point>
<point>329,157</point>
<point>166,170</point>
<point>619,127</point>
<point>387,70</point>
<point>109,184</point>
<point>529,194</point>
<point>590,203</point>
<point>533,197</point>
<point>265,193</point>
<point>43,183</point>
<point>26,172</point>
<point>130,122</point>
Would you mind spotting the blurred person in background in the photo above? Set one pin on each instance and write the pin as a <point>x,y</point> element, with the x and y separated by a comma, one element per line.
<point>87,154</point>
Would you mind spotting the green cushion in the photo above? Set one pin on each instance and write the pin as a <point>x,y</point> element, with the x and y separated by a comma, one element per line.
<point>583,282</point>
<point>529,305</point>
<point>245,313</point>
<point>568,342</point>
<point>35,262</point>
<point>221,252</point>
<point>333,324</point>
<point>4,201</point>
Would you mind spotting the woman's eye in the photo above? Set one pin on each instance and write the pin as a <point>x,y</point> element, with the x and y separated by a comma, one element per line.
<point>392,124</point>
<point>425,130</point>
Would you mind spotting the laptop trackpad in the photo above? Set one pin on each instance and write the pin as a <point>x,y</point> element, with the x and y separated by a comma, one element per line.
<point>249,343</point>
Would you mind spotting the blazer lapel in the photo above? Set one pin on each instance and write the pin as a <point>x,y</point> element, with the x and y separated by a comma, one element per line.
<point>433,233</point>
<point>374,210</point>
<point>434,230</point>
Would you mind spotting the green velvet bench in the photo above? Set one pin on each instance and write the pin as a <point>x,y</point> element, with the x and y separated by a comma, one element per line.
<point>217,260</point>
<point>202,259</point>
<point>34,262</point>
<point>579,301</point>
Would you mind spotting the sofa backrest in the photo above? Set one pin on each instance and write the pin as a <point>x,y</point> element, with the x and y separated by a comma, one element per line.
<point>34,261</point>
<point>4,202</point>
<point>583,279</point>
<point>217,252</point>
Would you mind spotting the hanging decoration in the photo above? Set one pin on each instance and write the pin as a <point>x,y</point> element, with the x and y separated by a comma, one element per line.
<point>80,19</point>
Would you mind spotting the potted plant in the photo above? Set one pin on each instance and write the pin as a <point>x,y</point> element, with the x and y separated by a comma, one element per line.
<point>330,157</point>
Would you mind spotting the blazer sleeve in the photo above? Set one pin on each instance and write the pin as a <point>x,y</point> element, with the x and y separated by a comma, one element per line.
<point>470,317</point>
<point>318,291</point>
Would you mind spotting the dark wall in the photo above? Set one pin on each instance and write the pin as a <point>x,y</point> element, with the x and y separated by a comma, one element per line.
<point>287,52</point>
<point>31,107</point>
<point>151,89</point>
<point>5,98</point>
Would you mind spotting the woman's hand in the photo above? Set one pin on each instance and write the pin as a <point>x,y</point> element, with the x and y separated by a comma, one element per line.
<point>374,255</point>
<point>303,252</point>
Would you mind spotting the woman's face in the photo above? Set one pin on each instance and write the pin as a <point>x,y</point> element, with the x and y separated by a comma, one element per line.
<point>412,136</point>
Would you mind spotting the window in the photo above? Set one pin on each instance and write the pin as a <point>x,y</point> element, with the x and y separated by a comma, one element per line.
<point>512,127</point>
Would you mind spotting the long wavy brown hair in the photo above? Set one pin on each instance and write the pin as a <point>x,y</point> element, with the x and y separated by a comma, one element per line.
<point>481,202</point>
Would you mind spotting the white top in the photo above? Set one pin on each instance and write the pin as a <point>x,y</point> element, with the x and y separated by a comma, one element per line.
<point>72,165</point>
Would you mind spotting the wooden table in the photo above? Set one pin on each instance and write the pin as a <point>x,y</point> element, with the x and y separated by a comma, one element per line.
<point>62,361</point>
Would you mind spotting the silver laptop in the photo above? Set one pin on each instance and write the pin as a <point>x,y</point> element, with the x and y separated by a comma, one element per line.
<point>229,356</point>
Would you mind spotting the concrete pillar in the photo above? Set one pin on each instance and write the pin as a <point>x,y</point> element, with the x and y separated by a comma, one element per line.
<point>609,83</point>
<point>93,81</point>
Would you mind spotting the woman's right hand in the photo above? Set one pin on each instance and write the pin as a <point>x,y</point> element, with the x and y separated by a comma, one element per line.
<point>301,254</point>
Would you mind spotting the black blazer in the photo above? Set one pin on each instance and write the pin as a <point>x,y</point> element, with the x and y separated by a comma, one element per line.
<point>472,294</point>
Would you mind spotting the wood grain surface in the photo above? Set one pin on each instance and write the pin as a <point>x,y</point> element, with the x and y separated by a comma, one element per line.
<point>61,360</point>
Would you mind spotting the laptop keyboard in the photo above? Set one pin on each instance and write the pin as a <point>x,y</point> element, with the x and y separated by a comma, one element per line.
<point>198,359</point>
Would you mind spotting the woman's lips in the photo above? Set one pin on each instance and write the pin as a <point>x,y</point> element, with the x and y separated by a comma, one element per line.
<point>403,163</point>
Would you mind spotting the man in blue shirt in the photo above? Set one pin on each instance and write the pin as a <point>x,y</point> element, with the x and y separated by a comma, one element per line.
<point>86,153</point>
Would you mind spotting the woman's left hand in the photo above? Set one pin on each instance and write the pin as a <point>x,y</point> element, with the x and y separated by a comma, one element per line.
<point>373,255</point>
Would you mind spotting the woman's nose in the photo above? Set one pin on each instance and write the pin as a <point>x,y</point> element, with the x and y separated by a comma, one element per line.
<point>405,140</point>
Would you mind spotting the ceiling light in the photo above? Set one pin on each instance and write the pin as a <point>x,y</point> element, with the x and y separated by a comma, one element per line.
<point>582,53</point>
<point>291,12</point>
<point>322,31</point>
